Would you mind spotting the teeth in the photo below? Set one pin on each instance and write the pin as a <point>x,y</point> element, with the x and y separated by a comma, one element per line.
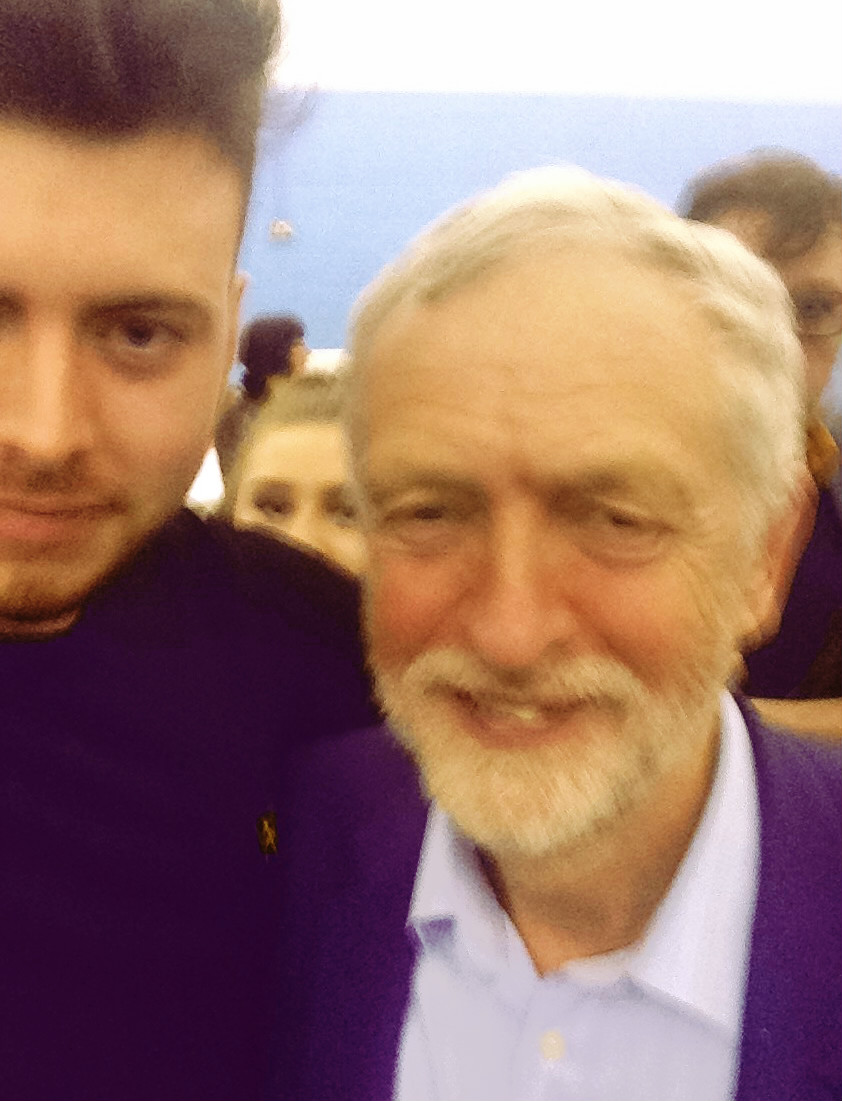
<point>522,713</point>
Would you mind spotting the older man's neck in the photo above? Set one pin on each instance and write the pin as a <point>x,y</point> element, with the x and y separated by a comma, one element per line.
<point>601,897</point>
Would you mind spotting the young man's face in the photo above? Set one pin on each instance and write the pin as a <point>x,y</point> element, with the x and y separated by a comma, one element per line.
<point>118,318</point>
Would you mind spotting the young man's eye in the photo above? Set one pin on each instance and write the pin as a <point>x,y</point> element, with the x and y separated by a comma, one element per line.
<point>626,521</point>
<point>145,333</point>
<point>138,344</point>
<point>140,334</point>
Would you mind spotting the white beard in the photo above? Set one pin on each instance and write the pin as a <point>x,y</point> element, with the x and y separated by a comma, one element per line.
<point>544,798</point>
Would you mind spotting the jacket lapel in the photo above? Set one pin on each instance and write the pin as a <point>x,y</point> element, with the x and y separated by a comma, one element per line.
<point>791,1021</point>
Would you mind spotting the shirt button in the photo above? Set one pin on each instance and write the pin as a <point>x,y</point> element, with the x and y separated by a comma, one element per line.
<point>552,1045</point>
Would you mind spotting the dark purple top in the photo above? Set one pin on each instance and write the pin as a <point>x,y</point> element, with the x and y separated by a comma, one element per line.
<point>137,751</point>
<point>804,660</point>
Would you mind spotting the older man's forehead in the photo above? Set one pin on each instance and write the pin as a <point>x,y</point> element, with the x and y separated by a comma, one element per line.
<point>592,305</point>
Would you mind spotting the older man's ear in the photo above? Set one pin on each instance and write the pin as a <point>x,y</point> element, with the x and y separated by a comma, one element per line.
<point>786,539</point>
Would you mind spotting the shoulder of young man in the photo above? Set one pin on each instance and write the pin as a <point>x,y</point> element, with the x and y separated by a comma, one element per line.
<point>202,574</point>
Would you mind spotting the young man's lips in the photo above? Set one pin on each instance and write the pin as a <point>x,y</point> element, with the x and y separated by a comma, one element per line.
<point>47,522</point>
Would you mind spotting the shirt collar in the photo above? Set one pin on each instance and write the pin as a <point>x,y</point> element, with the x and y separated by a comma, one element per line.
<point>698,939</point>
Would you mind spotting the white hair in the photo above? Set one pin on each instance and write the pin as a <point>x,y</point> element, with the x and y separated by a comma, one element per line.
<point>553,209</point>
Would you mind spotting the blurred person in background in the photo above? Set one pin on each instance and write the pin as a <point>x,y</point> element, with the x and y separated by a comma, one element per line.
<point>155,669</point>
<point>274,345</point>
<point>290,474</point>
<point>788,210</point>
<point>269,347</point>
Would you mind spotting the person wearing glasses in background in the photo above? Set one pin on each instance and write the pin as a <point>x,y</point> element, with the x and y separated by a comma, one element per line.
<point>789,211</point>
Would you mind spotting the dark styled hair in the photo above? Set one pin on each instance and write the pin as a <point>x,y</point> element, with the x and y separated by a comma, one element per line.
<point>801,199</point>
<point>264,350</point>
<point>108,68</point>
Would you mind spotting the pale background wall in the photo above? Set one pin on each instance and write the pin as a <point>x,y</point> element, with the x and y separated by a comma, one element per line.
<point>403,109</point>
<point>412,107</point>
<point>741,50</point>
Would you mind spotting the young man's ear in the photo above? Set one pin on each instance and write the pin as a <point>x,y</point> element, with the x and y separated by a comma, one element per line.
<point>239,282</point>
<point>786,538</point>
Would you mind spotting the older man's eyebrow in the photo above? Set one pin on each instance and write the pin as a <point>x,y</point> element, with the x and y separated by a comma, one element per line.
<point>380,489</point>
<point>639,480</point>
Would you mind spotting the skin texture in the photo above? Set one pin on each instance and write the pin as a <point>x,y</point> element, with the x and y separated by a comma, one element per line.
<point>556,589</point>
<point>819,269</point>
<point>294,483</point>
<point>118,321</point>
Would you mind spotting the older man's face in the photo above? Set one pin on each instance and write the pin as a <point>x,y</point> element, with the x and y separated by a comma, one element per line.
<point>556,590</point>
<point>118,311</point>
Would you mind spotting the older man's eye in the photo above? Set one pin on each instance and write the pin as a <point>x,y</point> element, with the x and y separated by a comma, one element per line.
<point>422,526</point>
<point>619,536</point>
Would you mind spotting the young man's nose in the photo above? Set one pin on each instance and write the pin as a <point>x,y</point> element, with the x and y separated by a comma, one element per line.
<point>45,407</point>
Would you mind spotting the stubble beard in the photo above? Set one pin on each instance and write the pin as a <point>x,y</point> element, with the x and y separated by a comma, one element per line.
<point>53,587</point>
<point>33,595</point>
<point>538,799</point>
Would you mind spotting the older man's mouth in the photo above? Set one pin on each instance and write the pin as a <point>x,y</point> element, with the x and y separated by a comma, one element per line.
<point>500,720</point>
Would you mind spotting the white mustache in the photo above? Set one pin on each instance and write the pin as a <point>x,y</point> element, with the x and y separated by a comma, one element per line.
<point>558,682</point>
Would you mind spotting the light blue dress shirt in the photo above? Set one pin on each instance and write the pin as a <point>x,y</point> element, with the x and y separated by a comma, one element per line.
<point>659,1021</point>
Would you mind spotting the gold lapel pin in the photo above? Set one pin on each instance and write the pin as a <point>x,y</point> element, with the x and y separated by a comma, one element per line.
<point>267,833</point>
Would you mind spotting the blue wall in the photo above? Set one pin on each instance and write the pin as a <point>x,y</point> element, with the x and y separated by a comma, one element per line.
<point>363,172</point>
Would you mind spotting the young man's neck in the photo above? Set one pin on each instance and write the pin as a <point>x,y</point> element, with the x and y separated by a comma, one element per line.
<point>18,630</point>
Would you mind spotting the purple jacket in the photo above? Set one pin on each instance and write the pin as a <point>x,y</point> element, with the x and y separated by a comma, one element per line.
<point>353,839</point>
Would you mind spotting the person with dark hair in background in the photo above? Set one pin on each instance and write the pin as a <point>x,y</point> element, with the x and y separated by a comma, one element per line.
<point>154,668</point>
<point>269,347</point>
<point>788,210</point>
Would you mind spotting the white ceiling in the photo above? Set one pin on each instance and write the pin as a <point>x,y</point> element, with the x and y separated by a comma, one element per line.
<point>745,50</point>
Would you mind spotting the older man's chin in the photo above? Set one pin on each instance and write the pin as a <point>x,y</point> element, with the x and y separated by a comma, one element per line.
<point>547,798</point>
